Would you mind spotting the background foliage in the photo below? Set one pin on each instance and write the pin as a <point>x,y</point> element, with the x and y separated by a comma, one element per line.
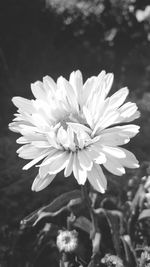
<point>54,37</point>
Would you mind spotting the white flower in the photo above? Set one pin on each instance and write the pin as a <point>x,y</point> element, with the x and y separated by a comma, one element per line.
<point>74,126</point>
<point>67,240</point>
<point>142,15</point>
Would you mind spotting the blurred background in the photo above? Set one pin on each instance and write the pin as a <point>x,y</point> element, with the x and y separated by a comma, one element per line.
<point>55,37</point>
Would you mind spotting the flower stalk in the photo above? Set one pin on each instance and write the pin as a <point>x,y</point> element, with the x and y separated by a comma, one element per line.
<point>88,203</point>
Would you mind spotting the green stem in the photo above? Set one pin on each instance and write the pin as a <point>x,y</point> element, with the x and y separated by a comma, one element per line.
<point>88,203</point>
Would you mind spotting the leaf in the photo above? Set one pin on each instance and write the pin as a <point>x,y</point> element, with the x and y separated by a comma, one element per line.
<point>56,205</point>
<point>83,223</point>
<point>145,214</point>
<point>136,206</point>
<point>114,219</point>
<point>136,202</point>
<point>129,254</point>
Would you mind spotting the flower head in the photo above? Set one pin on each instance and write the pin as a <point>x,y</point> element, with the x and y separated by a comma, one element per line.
<point>112,261</point>
<point>74,126</point>
<point>67,241</point>
<point>144,260</point>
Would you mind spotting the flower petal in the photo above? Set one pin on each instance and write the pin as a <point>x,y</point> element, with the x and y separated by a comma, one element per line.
<point>69,165</point>
<point>114,166</point>
<point>76,81</point>
<point>109,81</point>
<point>30,152</point>
<point>39,184</point>
<point>38,90</point>
<point>87,88</point>
<point>97,178</point>
<point>113,151</point>
<point>128,112</point>
<point>117,99</point>
<point>126,130</point>
<point>106,121</point>
<point>78,172</point>
<point>57,163</point>
<point>49,85</point>
<point>96,154</point>
<point>34,161</point>
<point>85,162</point>
<point>88,117</point>
<point>130,160</point>
<point>69,92</point>
<point>24,104</point>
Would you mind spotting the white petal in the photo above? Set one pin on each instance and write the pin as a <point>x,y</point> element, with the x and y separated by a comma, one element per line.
<point>101,110</point>
<point>56,165</point>
<point>78,172</point>
<point>117,99</point>
<point>128,112</point>
<point>34,161</point>
<point>24,104</point>
<point>41,144</point>
<point>76,81</point>
<point>40,122</point>
<point>82,139</point>
<point>96,154</point>
<point>14,127</point>
<point>27,138</point>
<point>30,152</point>
<point>53,155</point>
<point>114,166</point>
<point>97,93</point>
<point>100,159</point>
<point>109,81</point>
<point>69,93</point>
<point>133,117</point>
<point>130,160</point>
<point>27,129</point>
<point>49,85</point>
<point>62,137</point>
<point>71,142</point>
<point>126,130</point>
<point>118,135</point>
<point>38,90</point>
<point>97,178</point>
<point>69,165</point>
<point>77,127</point>
<point>108,120</point>
<point>85,161</point>
<point>114,151</point>
<point>113,139</point>
<point>88,117</point>
<point>87,89</point>
<point>52,139</point>
<point>22,140</point>
<point>39,184</point>
<point>100,85</point>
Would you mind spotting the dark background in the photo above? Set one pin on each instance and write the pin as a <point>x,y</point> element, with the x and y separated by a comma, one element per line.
<point>52,37</point>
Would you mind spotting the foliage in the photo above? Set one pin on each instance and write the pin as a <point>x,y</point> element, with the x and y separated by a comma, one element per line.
<point>106,21</point>
<point>121,237</point>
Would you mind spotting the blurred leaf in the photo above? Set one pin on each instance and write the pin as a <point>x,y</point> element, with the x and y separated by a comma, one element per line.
<point>145,214</point>
<point>136,206</point>
<point>129,254</point>
<point>115,222</point>
<point>54,206</point>
<point>136,202</point>
<point>83,223</point>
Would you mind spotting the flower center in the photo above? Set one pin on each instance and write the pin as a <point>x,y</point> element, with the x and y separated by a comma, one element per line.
<point>72,117</point>
<point>67,239</point>
<point>72,132</point>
